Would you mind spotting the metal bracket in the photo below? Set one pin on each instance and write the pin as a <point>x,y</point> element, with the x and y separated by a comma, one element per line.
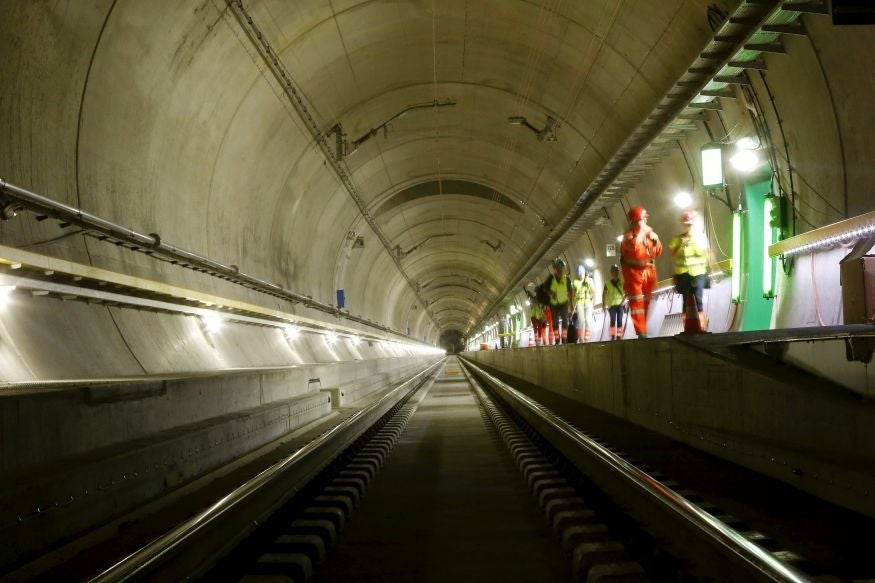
<point>859,349</point>
<point>776,350</point>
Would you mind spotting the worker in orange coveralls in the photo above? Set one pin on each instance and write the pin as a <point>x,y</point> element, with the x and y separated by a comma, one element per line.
<point>640,247</point>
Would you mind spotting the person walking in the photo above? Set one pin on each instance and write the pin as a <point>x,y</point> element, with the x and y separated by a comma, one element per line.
<point>639,249</point>
<point>585,298</point>
<point>561,299</point>
<point>690,253</point>
<point>613,295</point>
<point>536,314</point>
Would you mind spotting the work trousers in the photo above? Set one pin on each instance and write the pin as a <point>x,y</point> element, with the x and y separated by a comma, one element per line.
<point>584,322</point>
<point>559,315</point>
<point>692,287</point>
<point>639,282</point>
<point>539,327</point>
<point>616,315</point>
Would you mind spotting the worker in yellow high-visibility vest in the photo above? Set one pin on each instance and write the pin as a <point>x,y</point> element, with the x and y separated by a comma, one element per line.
<point>585,299</point>
<point>690,253</point>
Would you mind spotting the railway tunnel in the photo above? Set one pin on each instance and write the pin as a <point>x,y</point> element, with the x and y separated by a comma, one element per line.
<point>233,232</point>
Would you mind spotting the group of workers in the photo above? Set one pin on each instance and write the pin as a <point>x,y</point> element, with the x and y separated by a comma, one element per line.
<point>562,308</point>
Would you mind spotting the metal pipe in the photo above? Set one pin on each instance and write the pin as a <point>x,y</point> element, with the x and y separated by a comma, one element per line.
<point>373,131</point>
<point>152,244</point>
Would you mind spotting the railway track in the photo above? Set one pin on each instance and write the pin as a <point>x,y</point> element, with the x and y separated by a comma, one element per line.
<point>456,476</point>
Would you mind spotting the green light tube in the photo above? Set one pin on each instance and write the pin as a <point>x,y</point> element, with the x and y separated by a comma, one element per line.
<point>736,256</point>
<point>768,206</point>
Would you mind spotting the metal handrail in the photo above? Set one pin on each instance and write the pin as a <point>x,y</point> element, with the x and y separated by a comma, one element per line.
<point>152,244</point>
<point>309,460</point>
<point>723,537</point>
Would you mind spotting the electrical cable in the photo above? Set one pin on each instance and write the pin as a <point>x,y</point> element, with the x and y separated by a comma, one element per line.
<point>53,240</point>
<point>710,214</point>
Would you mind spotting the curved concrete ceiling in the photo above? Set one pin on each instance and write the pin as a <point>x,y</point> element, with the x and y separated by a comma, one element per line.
<point>456,183</point>
<point>182,123</point>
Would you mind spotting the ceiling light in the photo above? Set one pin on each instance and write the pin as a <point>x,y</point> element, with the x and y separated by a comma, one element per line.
<point>683,199</point>
<point>588,262</point>
<point>331,337</point>
<point>619,238</point>
<point>291,333</point>
<point>745,160</point>
<point>747,143</point>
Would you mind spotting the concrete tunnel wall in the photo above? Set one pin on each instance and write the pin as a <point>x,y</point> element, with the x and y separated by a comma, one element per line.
<point>158,117</point>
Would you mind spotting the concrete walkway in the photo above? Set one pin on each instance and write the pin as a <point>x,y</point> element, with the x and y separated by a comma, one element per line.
<point>448,506</point>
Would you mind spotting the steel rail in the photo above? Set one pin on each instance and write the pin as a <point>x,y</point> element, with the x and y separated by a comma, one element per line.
<point>192,546</point>
<point>152,244</point>
<point>754,562</point>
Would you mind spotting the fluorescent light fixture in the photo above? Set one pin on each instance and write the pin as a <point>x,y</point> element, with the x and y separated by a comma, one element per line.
<point>683,199</point>
<point>768,234</point>
<point>745,160</point>
<point>735,293</point>
<point>619,238</point>
<point>212,322</point>
<point>291,332</point>
<point>331,337</point>
<point>528,303</point>
<point>588,262</point>
<point>712,166</point>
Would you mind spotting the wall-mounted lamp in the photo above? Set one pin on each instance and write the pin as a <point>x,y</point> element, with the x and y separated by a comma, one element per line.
<point>683,199</point>
<point>744,160</point>
<point>735,289</point>
<point>768,239</point>
<point>291,333</point>
<point>712,166</point>
<point>212,323</point>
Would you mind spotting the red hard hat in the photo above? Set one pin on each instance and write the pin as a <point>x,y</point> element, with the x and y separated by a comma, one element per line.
<point>689,217</point>
<point>636,213</point>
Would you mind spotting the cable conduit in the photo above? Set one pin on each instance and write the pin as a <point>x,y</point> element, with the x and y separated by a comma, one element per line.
<point>152,244</point>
